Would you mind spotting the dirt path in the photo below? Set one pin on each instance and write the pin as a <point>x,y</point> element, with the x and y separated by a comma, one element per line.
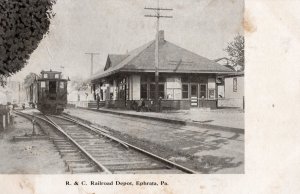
<point>27,156</point>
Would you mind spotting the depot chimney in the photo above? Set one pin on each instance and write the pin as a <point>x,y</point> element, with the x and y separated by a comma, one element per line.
<point>161,36</point>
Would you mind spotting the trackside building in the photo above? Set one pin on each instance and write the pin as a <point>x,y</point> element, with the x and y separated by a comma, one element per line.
<point>186,79</point>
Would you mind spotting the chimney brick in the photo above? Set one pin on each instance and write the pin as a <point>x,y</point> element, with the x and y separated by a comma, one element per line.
<point>161,36</point>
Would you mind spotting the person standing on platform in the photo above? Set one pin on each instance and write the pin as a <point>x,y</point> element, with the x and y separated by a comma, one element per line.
<point>159,104</point>
<point>10,108</point>
<point>98,101</point>
<point>141,105</point>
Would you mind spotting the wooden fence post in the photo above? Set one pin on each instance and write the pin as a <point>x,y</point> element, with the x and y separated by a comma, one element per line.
<point>3,122</point>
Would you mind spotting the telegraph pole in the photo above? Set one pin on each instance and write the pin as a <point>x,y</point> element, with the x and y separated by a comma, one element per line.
<point>157,15</point>
<point>19,91</point>
<point>92,60</point>
<point>62,68</point>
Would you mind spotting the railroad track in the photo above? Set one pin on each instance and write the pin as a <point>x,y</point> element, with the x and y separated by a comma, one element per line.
<point>74,156</point>
<point>87,149</point>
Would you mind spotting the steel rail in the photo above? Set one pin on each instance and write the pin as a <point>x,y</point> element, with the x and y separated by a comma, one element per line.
<point>72,119</point>
<point>105,170</point>
<point>178,166</point>
<point>93,129</point>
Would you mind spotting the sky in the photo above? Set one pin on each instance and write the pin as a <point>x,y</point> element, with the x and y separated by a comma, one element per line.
<point>117,26</point>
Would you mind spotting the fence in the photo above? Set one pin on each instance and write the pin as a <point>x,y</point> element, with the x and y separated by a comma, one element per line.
<point>83,104</point>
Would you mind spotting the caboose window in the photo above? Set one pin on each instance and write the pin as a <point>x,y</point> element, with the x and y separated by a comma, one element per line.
<point>61,85</point>
<point>45,75</point>
<point>56,75</point>
<point>43,84</point>
<point>52,87</point>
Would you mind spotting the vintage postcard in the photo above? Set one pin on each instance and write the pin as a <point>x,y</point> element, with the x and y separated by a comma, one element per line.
<point>149,96</point>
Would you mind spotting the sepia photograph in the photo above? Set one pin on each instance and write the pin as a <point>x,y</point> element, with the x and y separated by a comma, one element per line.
<point>122,87</point>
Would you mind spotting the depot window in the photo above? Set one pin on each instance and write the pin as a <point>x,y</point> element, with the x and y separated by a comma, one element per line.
<point>185,91</point>
<point>122,88</point>
<point>43,84</point>
<point>161,90</point>
<point>148,87</point>
<point>45,75</point>
<point>235,84</point>
<point>144,90</point>
<point>152,91</point>
<point>61,85</point>
<point>211,93</point>
<point>56,76</point>
<point>203,91</point>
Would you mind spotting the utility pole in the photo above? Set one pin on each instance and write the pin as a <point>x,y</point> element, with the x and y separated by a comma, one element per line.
<point>62,68</point>
<point>19,92</point>
<point>157,15</point>
<point>92,60</point>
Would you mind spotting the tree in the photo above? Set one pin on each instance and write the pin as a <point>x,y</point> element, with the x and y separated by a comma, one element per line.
<point>23,23</point>
<point>235,50</point>
<point>29,79</point>
<point>79,84</point>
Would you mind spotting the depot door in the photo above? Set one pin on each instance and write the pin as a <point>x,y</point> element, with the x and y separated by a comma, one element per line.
<point>194,95</point>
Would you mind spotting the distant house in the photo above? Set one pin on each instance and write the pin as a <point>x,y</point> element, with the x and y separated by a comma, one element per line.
<point>16,92</point>
<point>233,91</point>
<point>79,95</point>
<point>186,79</point>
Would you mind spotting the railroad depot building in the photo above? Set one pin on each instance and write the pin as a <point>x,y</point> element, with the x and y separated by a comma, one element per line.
<point>185,78</point>
<point>233,89</point>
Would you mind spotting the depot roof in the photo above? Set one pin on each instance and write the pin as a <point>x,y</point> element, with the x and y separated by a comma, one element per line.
<point>172,59</point>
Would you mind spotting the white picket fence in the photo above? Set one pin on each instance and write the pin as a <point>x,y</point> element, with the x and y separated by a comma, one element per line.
<point>83,104</point>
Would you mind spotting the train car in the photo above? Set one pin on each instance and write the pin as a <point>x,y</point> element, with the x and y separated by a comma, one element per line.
<point>49,92</point>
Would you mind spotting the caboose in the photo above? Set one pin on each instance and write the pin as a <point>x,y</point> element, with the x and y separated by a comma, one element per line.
<point>51,92</point>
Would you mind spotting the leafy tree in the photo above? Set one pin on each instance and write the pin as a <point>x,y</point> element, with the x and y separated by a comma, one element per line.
<point>23,23</point>
<point>29,79</point>
<point>235,50</point>
<point>79,84</point>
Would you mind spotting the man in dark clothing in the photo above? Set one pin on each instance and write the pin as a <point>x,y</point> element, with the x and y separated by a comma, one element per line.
<point>141,105</point>
<point>98,101</point>
<point>159,104</point>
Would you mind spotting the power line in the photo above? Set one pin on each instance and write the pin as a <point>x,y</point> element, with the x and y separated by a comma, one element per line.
<point>161,16</point>
<point>157,15</point>
<point>165,9</point>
